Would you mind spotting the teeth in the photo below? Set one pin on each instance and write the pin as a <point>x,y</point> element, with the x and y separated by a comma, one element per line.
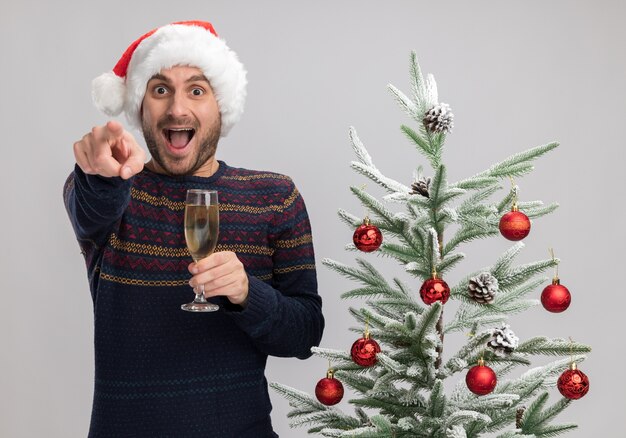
<point>182,129</point>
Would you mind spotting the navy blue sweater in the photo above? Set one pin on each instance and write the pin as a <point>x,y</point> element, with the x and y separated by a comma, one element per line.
<point>163,372</point>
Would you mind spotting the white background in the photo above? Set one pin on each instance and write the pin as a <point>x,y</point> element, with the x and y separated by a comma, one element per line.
<point>517,75</point>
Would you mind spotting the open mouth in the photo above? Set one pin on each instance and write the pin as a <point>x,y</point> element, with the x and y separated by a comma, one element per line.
<point>179,138</point>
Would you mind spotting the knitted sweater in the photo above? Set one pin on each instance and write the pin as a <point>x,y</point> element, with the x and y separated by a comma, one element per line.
<point>163,372</point>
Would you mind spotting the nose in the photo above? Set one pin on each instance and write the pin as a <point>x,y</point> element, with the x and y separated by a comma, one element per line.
<point>178,105</point>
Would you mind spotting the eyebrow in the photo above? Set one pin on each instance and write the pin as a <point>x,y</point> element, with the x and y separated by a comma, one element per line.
<point>194,78</point>
<point>197,78</point>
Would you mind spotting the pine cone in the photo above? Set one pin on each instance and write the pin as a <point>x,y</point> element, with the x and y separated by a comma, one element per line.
<point>439,118</point>
<point>503,340</point>
<point>483,288</point>
<point>420,187</point>
<point>518,416</point>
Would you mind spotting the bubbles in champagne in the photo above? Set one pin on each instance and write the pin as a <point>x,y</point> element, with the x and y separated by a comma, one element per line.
<point>201,229</point>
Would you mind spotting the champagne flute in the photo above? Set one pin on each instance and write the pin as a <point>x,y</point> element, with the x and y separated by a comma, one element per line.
<point>201,231</point>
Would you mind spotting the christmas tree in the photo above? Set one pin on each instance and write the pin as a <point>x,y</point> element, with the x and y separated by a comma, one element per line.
<point>397,369</point>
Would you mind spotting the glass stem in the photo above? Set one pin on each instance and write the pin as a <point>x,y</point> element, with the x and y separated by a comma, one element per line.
<point>200,296</point>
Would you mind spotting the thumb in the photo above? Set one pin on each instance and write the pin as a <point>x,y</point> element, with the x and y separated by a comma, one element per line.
<point>134,162</point>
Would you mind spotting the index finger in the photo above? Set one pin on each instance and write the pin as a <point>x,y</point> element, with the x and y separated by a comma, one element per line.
<point>114,130</point>
<point>101,155</point>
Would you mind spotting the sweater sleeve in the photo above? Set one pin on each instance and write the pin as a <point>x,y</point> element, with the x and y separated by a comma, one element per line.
<point>94,204</point>
<point>285,319</point>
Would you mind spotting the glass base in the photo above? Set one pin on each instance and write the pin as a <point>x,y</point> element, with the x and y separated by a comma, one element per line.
<point>200,307</point>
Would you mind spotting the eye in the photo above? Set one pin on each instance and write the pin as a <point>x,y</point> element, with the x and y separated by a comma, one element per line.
<point>197,91</point>
<point>160,90</point>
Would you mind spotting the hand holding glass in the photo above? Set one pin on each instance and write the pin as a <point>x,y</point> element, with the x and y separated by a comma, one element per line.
<point>201,231</point>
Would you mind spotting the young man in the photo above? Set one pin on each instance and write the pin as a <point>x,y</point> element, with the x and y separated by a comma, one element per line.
<point>160,371</point>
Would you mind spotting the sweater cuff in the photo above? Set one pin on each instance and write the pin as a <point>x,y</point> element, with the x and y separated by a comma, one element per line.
<point>262,303</point>
<point>100,184</point>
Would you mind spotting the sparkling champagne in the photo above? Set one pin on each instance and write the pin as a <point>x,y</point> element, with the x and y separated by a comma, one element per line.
<point>201,229</point>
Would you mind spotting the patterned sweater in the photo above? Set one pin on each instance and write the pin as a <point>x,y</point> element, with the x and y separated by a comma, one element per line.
<point>163,372</point>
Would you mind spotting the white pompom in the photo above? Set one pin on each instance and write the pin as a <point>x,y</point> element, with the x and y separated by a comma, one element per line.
<point>108,92</point>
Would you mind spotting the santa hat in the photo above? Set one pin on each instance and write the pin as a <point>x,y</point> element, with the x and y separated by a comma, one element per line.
<point>193,43</point>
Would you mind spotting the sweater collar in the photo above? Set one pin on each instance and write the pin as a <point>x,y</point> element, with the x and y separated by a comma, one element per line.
<point>190,178</point>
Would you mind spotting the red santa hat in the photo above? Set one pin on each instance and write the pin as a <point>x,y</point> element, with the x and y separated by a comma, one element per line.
<point>193,43</point>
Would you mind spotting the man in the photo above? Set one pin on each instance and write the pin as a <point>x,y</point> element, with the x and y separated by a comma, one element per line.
<point>160,371</point>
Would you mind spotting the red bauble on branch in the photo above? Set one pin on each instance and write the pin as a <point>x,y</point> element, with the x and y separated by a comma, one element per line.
<point>556,297</point>
<point>329,391</point>
<point>481,379</point>
<point>367,237</point>
<point>434,289</point>
<point>573,383</point>
<point>514,225</point>
<point>364,351</point>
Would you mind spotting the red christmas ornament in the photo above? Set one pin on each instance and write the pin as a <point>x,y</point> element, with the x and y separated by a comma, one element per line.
<point>434,289</point>
<point>555,297</point>
<point>573,383</point>
<point>481,379</point>
<point>514,225</point>
<point>329,391</point>
<point>364,351</point>
<point>367,237</point>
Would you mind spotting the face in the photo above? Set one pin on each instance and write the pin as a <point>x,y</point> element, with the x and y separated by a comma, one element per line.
<point>181,121</point>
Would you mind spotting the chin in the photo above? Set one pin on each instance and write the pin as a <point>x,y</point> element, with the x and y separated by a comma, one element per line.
<point>200,149</point>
